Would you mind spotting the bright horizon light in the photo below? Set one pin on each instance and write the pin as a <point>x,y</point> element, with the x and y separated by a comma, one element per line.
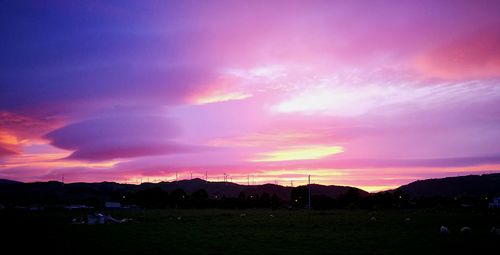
<point>300,153</point>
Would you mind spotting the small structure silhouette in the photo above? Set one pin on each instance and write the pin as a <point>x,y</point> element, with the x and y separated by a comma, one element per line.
<point>495,204</point>
<point>113,205</point>
<point>443,230</point>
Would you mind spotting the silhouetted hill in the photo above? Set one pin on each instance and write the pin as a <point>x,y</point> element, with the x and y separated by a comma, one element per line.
<point>57,192</point>
<point>334,191</point>
<point>229,189</point>
<point>5,181</point>
<point>54,192</point>
<point>471,185</point>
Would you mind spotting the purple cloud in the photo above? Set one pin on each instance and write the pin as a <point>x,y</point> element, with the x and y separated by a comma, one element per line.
<point>118,137</point>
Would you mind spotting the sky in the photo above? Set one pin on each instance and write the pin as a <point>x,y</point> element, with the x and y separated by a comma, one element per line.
<point>372,94</point>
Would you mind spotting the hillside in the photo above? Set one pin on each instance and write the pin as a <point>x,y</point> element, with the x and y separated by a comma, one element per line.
<point>5,181</point>
<point>471,185</point>
<point>82,192</point>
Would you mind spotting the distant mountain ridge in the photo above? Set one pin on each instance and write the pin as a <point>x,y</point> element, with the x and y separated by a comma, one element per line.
<point>470,185</point>
<point>81,191</point>
<point>5,181</point>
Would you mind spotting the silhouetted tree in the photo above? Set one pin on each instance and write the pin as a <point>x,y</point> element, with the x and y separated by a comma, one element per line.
<point>351,197</point>
<point>151,198</point>
<point>275,201</point>
<point>323,202</point>
<point>253,200</point>
<point>242,200</point>
<point>401,199</point>
<point>265,200</point>
<point>178,197</point>
<point>199,198</point>
<point>299,196</point>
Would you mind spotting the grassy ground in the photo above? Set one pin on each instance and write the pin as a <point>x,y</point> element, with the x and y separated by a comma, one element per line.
<point>225,232</point>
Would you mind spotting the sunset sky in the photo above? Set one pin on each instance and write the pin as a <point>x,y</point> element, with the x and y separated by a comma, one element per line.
<point>372,94</point>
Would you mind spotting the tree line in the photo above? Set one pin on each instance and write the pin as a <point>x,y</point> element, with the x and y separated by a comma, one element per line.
<point>156,197</point>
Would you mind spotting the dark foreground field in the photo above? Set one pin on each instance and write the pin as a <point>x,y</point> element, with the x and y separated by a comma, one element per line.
<point>226,232</point>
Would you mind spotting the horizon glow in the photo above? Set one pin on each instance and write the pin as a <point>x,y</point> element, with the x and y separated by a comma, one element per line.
<point>299,153</point>
<point>368,94</point>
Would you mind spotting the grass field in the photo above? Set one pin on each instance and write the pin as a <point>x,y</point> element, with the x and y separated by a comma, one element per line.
<point>225,232</point>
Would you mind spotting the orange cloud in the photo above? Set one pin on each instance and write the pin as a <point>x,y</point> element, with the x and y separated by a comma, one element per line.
<point>9,144</point>
<point>50,159</point>
<point>17,131</point>
<point>7,138</point>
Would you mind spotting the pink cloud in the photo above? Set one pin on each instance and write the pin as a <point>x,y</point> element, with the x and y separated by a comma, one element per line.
<point>26,127</point>
<point>471,56</point>
<point>6,152</point>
